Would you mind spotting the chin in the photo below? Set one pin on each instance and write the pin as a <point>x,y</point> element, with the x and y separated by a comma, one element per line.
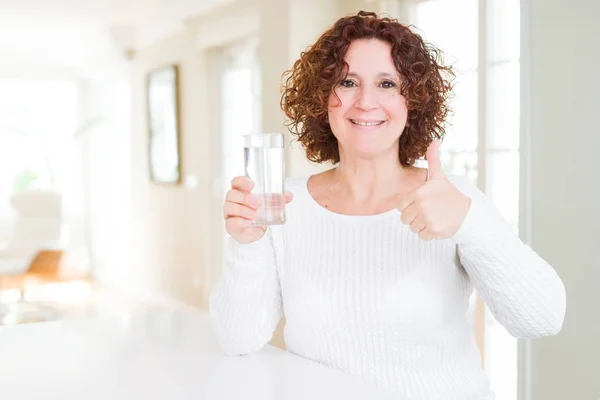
<point>369,149</point>
<point>367,153</point>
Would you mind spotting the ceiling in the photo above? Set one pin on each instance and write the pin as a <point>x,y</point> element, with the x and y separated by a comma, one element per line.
<point>69,34</point>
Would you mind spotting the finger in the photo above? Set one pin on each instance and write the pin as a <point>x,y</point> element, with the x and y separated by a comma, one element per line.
<point>433,159</point>
<point>407,201</point>
<point>242,183</point>
<point>237,223</point>
<point>289,196</point>
<point>244,198</point>
<point>409,214</point>
<point>426,235</point>
<point>417,226</point>
<point>237,210</point>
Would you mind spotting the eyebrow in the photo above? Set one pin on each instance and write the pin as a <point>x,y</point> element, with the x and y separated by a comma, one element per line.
<point>379,75</point>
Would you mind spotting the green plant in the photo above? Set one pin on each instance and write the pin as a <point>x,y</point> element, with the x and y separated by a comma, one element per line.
<point>24,180</point>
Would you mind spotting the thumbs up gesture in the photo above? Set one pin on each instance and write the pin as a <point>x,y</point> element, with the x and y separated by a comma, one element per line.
<point>437,209</point>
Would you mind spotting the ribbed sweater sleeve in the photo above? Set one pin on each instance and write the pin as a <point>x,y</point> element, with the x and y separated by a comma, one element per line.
<point>523,292</point>
<point>246,302</point>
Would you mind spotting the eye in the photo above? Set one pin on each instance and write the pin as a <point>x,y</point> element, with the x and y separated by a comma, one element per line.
<point>387,84</point>
<point>347,83</point>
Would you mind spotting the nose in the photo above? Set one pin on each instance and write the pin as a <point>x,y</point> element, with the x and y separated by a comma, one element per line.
<point>366,99</point>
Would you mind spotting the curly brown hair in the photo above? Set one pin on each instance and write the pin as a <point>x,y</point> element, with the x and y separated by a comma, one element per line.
<point>426,85</point>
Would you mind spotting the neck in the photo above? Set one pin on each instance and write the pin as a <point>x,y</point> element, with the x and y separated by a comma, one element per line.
<point>370,180</point>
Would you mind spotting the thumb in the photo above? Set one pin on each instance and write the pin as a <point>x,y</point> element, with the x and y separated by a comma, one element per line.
<point>433,159</point>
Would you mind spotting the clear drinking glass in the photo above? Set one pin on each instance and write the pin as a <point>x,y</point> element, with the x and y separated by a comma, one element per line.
<point>264,165</point>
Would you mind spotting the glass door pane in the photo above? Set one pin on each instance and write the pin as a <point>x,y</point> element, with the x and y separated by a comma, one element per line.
<point>238,105</point>
<point>504,106</point>
<point>435,20</point>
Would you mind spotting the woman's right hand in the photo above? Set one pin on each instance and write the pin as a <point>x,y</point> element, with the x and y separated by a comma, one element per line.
<point>240,210</point>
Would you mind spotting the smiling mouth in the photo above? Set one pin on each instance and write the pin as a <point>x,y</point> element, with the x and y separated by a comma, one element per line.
<point>366,123</point>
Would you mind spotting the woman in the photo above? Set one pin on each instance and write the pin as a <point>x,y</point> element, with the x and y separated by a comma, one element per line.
<point>377,260</point>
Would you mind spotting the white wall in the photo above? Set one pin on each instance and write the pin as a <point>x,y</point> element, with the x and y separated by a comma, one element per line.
<point>167,234</point>
<point>564,85</point>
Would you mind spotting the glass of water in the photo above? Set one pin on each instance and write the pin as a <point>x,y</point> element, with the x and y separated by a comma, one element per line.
<point>264,165</point>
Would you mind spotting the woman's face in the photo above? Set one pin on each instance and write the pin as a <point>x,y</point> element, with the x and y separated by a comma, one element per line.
<point>373,113</point>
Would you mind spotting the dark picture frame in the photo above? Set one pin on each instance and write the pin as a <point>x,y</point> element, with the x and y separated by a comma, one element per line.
<point>164,138</point>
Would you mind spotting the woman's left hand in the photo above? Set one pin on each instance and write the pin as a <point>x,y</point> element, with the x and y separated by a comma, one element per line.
<point>437,209</point>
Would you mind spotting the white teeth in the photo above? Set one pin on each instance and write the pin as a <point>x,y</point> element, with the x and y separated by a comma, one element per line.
<point>364,123</point>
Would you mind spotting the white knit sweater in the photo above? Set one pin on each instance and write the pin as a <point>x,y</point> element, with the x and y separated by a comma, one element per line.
<point>365,295</point>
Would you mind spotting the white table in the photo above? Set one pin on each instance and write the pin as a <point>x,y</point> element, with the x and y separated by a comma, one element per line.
<point>156,355</point>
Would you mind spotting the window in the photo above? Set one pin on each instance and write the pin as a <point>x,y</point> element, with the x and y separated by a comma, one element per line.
<point>502,165</point>
<point>38,121</point>
<point>482,140</point>
<point>236,71</point>
<point>435,20</point>
<point>240,106</point>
